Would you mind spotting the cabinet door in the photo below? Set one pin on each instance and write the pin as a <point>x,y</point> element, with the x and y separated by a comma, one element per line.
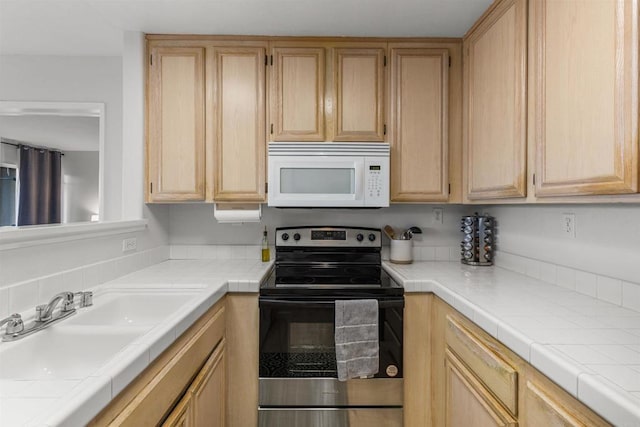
<point>419,121</point>
<point>239,124</point>
<point>208,391</point>
<point>495,122</point>
<point>176,137</point>
<point>298,94</point>
<point>542,406</point>
<point>585,89</point>
<point>359,94</point>
<point>182,414</point>
<point>467,402</point>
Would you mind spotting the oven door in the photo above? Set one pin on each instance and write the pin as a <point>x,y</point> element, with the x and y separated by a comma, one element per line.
<point>297,337</point>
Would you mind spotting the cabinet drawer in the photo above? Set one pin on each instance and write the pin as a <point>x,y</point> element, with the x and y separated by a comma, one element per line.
<point>151,404</point>
<point>499,377</point>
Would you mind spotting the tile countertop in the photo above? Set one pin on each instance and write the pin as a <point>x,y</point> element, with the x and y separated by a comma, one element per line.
<point>76,401</point>
<point>589,347</point>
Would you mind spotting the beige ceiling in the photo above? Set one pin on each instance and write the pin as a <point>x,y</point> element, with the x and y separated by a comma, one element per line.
<point>94,27</point>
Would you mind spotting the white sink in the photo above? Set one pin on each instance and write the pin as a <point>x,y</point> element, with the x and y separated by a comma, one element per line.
<point>58,353</point>
<point>129,308</point>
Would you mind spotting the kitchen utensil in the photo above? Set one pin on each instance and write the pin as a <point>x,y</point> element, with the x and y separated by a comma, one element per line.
<point>477,243</point>
<point>389,231</point>
<point>408,233</point>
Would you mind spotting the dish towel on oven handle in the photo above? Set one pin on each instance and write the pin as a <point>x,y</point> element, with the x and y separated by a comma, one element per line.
<point>357,343</point>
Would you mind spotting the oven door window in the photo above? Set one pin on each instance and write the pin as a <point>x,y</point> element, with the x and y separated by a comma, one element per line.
<point>297,342</point>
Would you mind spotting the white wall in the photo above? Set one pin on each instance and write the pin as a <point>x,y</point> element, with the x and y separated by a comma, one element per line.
<point>58,132</point>
<point>31,275</point>
<point>193,224</point>
<point>603,260</point>
<point>80,79</point>
<point>607,236</point>
<point>133,96</point>
<point>80,185</point>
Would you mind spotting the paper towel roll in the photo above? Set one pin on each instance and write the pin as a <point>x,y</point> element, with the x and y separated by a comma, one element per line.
<point>235,214</point>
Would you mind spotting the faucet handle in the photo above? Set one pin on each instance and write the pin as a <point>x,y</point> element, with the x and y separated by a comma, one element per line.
<point>14,324</point>
<point>67,302</point>
<point>40,313</point>
<point>86,298</point>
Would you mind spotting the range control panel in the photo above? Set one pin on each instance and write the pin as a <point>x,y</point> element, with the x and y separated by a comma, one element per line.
<point>323,236</point>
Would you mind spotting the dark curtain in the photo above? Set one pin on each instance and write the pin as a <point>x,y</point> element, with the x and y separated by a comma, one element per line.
<point>40,181</point>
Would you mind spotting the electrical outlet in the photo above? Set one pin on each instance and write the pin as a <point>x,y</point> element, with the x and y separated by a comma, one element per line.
<point>438,215</point>
<point>129,244</point>
<point>569,225</point>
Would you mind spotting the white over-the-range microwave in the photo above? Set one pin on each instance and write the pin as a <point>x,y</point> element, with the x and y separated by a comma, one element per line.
<point>331,174</point>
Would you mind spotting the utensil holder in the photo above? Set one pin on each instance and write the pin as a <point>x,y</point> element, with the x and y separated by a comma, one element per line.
<point>401,251</point>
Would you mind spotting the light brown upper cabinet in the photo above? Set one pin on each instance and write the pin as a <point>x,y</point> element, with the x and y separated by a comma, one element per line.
<point>327,91</point>
<point>359,94</point>
<point>419,124</point>
<point>238,123</point>
<point>584,89</point>
<point>206,120</point>
<point>495,105</point>
<point>297,86</point>
<point>176,129</point>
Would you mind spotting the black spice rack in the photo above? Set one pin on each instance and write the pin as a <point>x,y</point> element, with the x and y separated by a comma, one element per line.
<point>477,246</point>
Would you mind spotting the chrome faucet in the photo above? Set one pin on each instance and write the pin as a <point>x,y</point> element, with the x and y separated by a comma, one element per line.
<point>45,315</point>
<point>44,312</point>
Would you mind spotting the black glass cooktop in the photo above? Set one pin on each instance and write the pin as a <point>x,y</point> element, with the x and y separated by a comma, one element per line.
<point>321,281</point>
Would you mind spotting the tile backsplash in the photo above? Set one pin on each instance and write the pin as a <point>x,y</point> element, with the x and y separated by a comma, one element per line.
<point>25,295</point>
<point>609,289</point>
<point>601,260</point>
<point>222,252</point>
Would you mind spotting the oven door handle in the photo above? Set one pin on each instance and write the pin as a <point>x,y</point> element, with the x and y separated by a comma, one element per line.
<point>393,303</point>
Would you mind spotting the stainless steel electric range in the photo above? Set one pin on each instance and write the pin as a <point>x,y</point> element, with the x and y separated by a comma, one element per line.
<point>315,266</point>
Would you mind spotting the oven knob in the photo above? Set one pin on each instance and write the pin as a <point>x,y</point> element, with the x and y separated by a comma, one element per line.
<point>296,237</point>
<point>359,237</point>
<point>285,236</point>
<point>372,237</point>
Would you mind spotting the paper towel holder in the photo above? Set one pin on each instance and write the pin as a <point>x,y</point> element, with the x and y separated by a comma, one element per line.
<point>237,213</point>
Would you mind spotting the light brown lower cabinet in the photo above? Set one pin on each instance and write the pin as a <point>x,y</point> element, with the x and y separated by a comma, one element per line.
<point>204,402</point>
<point>545,404</point>
<point>182,415</point>
<point>468,402</point>
<point>475,381</point>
